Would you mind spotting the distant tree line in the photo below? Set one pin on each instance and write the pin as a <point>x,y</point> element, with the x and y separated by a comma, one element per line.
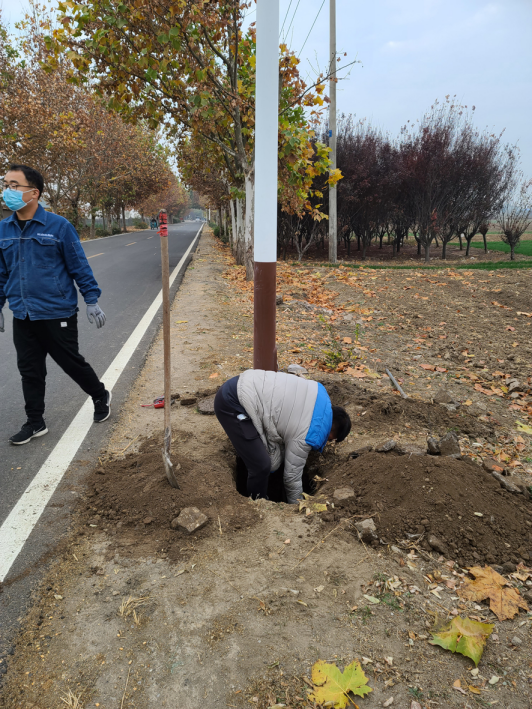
<point>441,179</point>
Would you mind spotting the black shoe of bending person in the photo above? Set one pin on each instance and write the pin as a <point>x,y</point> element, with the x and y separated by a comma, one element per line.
<point>102,408</point>
<point>27,432</point>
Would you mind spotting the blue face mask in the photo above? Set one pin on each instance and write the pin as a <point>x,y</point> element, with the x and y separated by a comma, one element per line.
<point>13,199</point>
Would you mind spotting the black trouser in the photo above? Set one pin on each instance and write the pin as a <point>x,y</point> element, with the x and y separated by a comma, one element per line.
<point>248,445</point>
<point>34,339</point>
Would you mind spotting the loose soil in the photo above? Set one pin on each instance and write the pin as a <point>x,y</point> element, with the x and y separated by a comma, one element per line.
<point>412,497</point>
<point>131,498</point>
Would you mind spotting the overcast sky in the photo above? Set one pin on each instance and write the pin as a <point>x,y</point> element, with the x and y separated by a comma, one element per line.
<point>414,52</point>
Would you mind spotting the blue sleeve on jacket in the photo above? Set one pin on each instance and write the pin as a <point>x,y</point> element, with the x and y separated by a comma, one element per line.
<point>78,266</point>
<point>321,423</point>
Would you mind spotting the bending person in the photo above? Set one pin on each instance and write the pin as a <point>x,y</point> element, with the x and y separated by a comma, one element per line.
<point>272,416</point>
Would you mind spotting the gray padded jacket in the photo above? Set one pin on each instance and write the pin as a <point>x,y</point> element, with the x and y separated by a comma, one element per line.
<point>292,416</point>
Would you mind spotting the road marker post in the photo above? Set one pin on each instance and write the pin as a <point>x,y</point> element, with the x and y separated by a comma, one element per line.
<point>165,264</point>
<point>266,159</point>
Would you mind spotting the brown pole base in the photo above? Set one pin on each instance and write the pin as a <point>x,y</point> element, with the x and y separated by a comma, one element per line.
<point>264,345</point>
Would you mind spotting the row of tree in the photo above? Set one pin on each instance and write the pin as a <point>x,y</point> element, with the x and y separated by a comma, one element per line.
<point>440,179</point>
<point>190,67</point>
<point>92,161</point>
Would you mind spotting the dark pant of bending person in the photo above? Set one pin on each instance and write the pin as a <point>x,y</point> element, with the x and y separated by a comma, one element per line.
<point>34,340</point>
<point>245,438</point>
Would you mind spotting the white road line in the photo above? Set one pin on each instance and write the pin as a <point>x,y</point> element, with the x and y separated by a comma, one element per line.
<point>26,513</point>
<point>133,242</point>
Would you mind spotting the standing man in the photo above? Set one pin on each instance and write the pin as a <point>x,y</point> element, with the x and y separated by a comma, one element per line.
<point>273,417</point>
<point>40,260</point>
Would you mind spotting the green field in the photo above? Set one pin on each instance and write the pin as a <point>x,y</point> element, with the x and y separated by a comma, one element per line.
<point>525,247</point>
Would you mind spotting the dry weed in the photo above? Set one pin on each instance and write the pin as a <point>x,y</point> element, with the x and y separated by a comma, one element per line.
<point>128,606</point>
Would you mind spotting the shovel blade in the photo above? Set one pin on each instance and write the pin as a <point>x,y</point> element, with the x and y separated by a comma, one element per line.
<point>169,470</point>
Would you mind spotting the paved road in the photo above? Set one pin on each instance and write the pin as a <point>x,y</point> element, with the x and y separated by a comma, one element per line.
<point>128,270</point>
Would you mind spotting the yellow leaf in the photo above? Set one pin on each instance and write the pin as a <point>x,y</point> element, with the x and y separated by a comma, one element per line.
<point>463,635</point>
<point>504,602</point>
<point>475,690</point>
<point>468,402</point>
<point>523,427</point>
<point>333,687</point>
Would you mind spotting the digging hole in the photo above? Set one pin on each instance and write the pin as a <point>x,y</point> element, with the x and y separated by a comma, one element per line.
<point>276,491</point>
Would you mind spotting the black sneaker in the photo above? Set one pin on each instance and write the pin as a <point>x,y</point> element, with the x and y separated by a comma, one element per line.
<point>27,432</point>
<point>102,408</point>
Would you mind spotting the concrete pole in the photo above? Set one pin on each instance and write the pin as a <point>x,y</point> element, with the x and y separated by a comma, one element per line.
<point>266,156</point>
<point>333,192</point>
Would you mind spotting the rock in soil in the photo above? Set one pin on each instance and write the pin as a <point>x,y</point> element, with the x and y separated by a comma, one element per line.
<point>433,446</point>
<point>506,484</point>
<point>491,466</point>
<point>367,531</point>
<point>206,406</point>
<point>189,401</point>
<point>386,447</point>
<point>438,545</point>
<point>191,519</point>
<point>449,445</point>
<point>443,397</point>
<point>438,495</point>
<point>343,493</point>
<point>296,369</point>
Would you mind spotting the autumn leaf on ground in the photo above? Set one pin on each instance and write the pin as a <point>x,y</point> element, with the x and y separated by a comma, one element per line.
<point>468,637</point>
<point>333,687</point>
<point>523,427</point>
<point>504,602</point>
<point>310,505</point>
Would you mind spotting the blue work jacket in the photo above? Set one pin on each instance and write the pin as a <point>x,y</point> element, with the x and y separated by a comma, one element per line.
<point>39,266</point>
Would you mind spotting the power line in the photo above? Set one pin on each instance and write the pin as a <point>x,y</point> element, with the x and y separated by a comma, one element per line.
<point>315,20</point>
<point>293,16</point>
<point>289,6</point>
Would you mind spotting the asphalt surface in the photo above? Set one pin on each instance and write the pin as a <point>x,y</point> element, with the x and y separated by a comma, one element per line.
<point>128,270</point>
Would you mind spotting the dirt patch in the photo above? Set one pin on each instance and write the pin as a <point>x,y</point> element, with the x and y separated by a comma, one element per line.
<point>414,497</point>
<point>386,412</point>
<point>131,498</point>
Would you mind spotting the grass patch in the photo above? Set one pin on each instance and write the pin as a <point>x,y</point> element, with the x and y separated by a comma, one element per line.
<point>484,266</point>
<point>525,247</point>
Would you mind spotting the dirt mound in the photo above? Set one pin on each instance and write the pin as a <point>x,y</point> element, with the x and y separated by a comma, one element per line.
<point>385,412</point>
<point>419,497</point>
<point>131,497</point>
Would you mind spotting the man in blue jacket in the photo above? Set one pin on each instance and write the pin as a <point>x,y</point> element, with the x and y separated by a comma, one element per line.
<point>41,259</point>
<point>275,419</point>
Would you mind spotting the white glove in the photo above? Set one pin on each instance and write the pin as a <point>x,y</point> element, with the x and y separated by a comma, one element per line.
<point>94,311</point>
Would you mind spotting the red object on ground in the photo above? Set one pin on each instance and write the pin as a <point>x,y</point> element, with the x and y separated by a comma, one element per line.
<point>163,224</point>
<point>157,403</point>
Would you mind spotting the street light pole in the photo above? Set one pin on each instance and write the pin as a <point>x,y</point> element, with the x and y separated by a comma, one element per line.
<point>266,156</point>
<point>333,192</point>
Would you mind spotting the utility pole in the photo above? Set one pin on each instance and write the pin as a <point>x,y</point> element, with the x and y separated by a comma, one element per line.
<point>266,156</point>
<point>333,192</point>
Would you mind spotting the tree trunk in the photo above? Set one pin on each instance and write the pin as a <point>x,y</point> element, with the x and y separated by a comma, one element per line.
<point>381,238</point>
<point>124,219</point>
<point>512,252</point>
<point>234,239</point>
<point>363,251</point>
<point>358,242</point>
<point>444,250</point>
<point>394,247</point>
<point>93,224</point>
<point>461,245</point>
<point>249,224</point>
<point>485,244</point>
<point>239,252</point>
<point>468,241</point>
<point>103,221</point>
<point>419,248</point>
<point>427,252</point>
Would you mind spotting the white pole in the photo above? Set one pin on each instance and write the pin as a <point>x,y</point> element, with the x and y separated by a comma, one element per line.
<point>266,156</point>
<point>333,193</point>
